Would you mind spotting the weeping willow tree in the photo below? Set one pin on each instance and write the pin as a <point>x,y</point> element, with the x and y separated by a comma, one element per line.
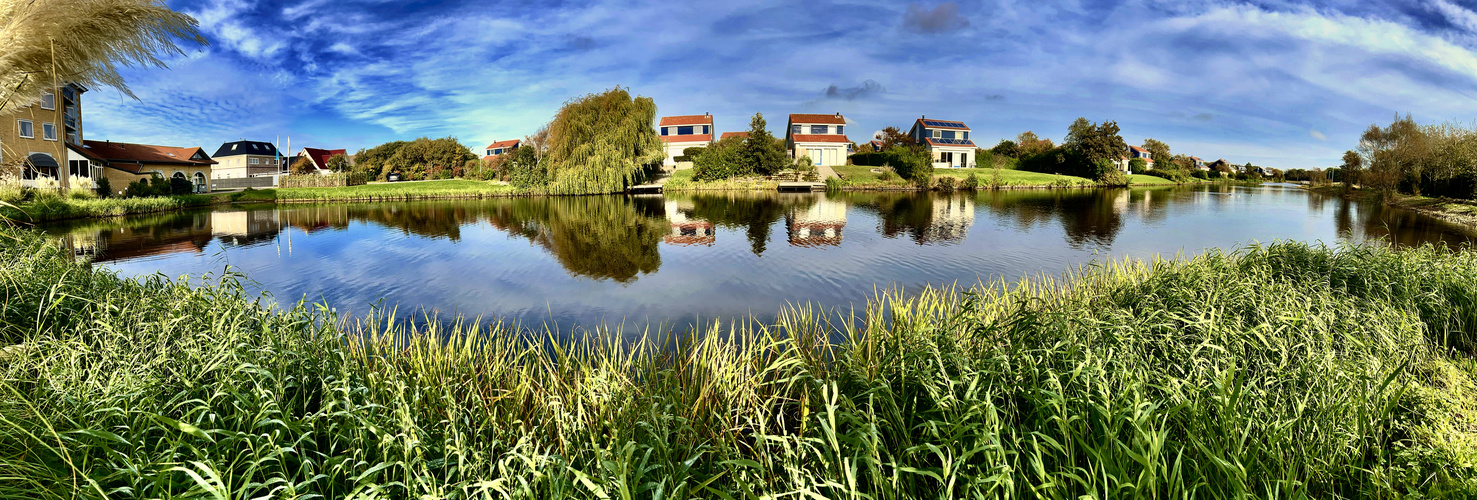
<point>43,42</point>
<point>602,143</point>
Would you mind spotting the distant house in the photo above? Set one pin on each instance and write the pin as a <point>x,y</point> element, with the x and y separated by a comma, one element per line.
<point>1199,163</point>
<point>241,159</point>
<point>820,137</point>
<point>877,146</point>
<point>500,147</point>
<point>741,135</point>
<point>1219,164</point>
<point>682,132</point>
<point>946,140</point>
<point>1134,152</point>
<point>131,162</point>
<point>319,157</point>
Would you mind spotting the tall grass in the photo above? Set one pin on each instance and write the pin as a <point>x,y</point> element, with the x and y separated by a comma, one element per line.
<point>400,191</point>
<point>1278,371</point>
<point>54,207</point>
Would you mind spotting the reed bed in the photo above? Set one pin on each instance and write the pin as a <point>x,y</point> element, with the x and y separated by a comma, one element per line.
<point>55,208</point>
<point>1285,371</point>
<point>398,191</point>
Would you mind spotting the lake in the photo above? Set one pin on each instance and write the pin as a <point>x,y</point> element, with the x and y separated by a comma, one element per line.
<point>681,257</point>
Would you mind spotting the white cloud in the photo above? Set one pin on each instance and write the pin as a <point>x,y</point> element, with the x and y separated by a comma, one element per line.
<point>1314,133</point>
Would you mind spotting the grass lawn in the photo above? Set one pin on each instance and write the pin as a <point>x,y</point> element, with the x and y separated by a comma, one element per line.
<point>1149,180</point>
<point>453,188</point>
<point>682,180</point>
<point>863,176</point>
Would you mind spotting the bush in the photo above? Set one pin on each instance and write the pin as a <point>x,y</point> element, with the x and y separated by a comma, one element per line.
<point>924,183</point>
<point>946,183</point>
<point>1138,166</point>
<point>970,183</point>
<point>81,194</point>
<point>1108,174</point>
<point>1201,174</point>
<point>910,164</point>
<point>886,175</point>
<point>869,159</point>
<point>180,185</point>
<point>139,189</point>
<point>104,187</point>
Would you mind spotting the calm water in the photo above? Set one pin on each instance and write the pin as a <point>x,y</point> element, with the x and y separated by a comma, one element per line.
<point>675,258</point>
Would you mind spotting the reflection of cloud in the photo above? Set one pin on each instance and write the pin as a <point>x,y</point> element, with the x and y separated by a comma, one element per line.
<point>941,19</point>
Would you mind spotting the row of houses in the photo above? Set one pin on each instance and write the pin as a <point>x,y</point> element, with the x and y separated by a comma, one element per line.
<point>46,135</point>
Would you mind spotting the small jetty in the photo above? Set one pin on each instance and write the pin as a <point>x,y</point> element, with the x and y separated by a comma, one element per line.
<point>802,186</point>
<point>646,189</point>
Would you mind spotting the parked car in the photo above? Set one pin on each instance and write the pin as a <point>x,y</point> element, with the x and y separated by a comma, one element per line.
<point>393,177</point>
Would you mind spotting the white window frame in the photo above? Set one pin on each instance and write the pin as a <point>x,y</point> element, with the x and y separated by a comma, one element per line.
<point>20,129</point>
<point>256,161</point>
<point>52,95</point>
<point>48,126</point>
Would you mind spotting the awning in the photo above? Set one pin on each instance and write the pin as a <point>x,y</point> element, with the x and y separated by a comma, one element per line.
<point>41,160</point>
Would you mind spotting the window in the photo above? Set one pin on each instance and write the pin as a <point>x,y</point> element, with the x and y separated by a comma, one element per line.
<point>817,129</point>
<point>948,134</point>
<point>256,161</point>
<point>78,168</point>
<point>938,134</point>
<point>664,130</point>
<point>705,130</point>
<point>48,100</point>
<point>966,135</point>
<point>490,153</point>
<point>48,131</point>
<point>687,130</point>
<point>840,129</point>
<point>27,129</point>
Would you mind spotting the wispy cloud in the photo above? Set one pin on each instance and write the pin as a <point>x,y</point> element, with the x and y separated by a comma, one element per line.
<point>1241,81</point>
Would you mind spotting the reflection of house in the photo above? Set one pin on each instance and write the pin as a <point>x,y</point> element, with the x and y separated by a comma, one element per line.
<point>946,140</point>
<point>820,224</point>
<point>188,233</point>
<point>131,162</point>
<point>952,217</point>
<point>821,137</point>
<point>686,230</point>
<point>247,159</point>
<point>244,226</point>
<point>682,132</point>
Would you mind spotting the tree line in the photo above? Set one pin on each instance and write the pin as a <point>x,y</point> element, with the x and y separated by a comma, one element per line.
<point>1423,160</point>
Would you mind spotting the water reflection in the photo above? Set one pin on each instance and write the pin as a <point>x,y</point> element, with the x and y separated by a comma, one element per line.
<point>712,254</point>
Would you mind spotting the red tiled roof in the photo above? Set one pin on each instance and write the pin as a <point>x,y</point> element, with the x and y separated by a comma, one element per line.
<point>688,138</point>
<point>726,135</point>
<point>503,144</point>
<point>119,154</point>
<point>1138,149</point>
<point>969,144</point>
<point>961,125</point>
<point>668,121</point>
<point>877,144</point>
<point>818,119</point>
<point>320,156</point>
<point>819,138</point>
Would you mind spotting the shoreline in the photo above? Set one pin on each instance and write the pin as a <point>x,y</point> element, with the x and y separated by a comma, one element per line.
<point>1460,212</point>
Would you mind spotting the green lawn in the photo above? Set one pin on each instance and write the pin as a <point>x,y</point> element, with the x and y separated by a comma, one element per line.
<point>682,180</point>
<point>1141,179</point>
<point>453,188</point>
<point>863,176</point>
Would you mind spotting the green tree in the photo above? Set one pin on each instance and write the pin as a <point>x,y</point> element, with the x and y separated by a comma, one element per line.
<point>1159,152</point>
<point>602,143</point>
<point>339,163</point>
<point>303,166</point>
<point>373,161</point>
<point>892,137</point>
<point>524,168</point>
<point>763,153</point>
<point>1007,148</point>
<point>1094,144</point>
<point>1030,145</point>
<point>1138,166</point>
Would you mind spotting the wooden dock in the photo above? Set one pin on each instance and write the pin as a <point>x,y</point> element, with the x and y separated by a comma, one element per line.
<point>802,186</point>
<point>647,189</point>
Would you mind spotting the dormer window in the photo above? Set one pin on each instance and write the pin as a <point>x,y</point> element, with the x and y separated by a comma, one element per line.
<point>938,134</point>
<point>966,135</point>
<point>817,129</point>
<point>665,129</point>
<point>840,129</point>
<point>794,129</point>
<point>48,100</point>
<point>948,134</point>
<point>705,130</point>
<point>685,130</point>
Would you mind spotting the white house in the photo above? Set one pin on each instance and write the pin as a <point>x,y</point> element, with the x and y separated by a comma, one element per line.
<point>682,132</point>
<point>1138,153</point>
<point>501,147</point>
<point>947,140</point>
<point>820,137</point>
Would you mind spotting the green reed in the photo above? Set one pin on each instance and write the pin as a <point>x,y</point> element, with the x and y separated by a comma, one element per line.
<point>1283,371</point>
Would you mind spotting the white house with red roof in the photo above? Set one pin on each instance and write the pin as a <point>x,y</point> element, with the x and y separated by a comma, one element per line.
<point>1135,152</point>
<point>501,147</point>
<point>682,132</point>
<point>947,140</point>
<point>319,157</point>
<point>820,137</point>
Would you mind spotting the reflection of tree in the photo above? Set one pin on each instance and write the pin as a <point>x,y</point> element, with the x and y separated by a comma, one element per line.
<point>1406,228</point>
<point>1088,216</point>
<point>604,237</point>
<point>1093,219</point>
<point>922,217</point>
<point>755,213</point>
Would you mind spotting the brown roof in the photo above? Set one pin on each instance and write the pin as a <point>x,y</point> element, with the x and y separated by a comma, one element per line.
<point>668,121</point>
<point>824,119</point>
<point>320,156</point>
<point>120,154</point>
<point>503,144</point>
<point>726,135</point>
<point>1139,149</point>
<point>819,138</point>
<point>688,138</point>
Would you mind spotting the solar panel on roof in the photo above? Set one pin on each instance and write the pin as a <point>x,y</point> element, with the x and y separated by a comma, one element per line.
<point>936,123</point>
<point>953,142</point>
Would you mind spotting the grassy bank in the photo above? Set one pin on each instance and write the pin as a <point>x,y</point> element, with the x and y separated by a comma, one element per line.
<point>1283,371</point>
<point>1458,211</point>
<point>58,208</point>
<point>397,191</point>
<point>682,180</point>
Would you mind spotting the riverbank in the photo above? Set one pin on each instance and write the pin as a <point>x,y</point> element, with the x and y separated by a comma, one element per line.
<point>1455,211</point>
<point>59,208</point>
<point>1284,370</point>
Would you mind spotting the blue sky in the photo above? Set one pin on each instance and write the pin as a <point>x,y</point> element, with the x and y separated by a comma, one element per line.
<point>1279,83</point>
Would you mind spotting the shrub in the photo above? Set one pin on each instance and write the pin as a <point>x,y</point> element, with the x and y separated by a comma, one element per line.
<point>869,159</point>
<point>1138,165</point>
<point>104,187</point>
<point>924,183</point>
<point>910,164</point>
<point>970,183</point>
<point>1201,174</point>
<point>886,175</point>
<point>180,185</point>
<point>81,194</point>
<point>139,189</point>
<point>1108,174</point>
<point>946,183</point>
